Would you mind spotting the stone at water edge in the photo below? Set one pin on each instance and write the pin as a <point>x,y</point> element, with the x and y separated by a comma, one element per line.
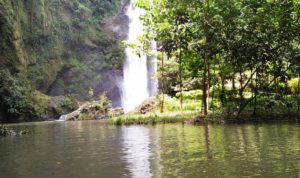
<point>56,107</point>
<point>147,106</point>
<point>96,114</point>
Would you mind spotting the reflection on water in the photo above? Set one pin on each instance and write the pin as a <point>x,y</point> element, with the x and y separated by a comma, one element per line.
<point>95,149</point>
<point>207,142</point>
<point>136,146</point>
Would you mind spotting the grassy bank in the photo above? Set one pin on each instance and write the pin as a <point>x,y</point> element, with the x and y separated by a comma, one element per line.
<point>172,113</point>
<point>268,109</point>
<point>194,117</point>
<point>154,118</point>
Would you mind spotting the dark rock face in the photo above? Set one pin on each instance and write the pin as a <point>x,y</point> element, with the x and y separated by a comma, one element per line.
<point>64,47</point>
<point>101,79</point>
<point>112,84</point>
<point>119,24</point>
<point>58,106</point>
<point>2,116</point>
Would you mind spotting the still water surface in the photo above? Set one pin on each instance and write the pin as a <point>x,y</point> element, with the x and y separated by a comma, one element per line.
<point>96,149</point>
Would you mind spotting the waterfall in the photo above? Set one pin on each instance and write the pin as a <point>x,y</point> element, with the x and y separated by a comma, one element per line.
<point>138,75</point>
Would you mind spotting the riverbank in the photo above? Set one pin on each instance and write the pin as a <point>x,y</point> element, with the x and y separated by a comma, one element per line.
<point>192,117</point>
<point>150,113</point>
<point>153,118</point>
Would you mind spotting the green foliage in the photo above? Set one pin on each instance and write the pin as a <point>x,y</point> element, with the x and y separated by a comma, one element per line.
<point>41,39</point>
<point>172,104</point>
<point>104,102</point>
<point>294,85</point>
<point>193,94</point>
<point>17,97</point>
<point>252,44</point>
<point>86,116</point>
<point>153,118</point>
<point>69,103</point>
<point>83,8</point>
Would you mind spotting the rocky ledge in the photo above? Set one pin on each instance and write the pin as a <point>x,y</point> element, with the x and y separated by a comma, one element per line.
<point>92,111</point>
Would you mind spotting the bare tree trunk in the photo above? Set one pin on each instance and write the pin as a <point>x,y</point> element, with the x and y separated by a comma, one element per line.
<point>213,92</point>
<point>205,86</point>
<point>233,85</point>
<point>255,95</point>
<point>240,94</point>
<point>222,95</point>
<point>252,87</point>
<point>298,102</point>
<point>180,76</point>
<point>30,14</point>
<point>162,84</point>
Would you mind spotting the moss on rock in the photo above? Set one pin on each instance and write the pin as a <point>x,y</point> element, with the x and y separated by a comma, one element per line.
<point>57,47</point>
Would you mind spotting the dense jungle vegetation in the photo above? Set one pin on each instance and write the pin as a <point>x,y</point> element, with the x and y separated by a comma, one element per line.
<point>230,58</point>
<point>54,48</point>
<point>233,59</point>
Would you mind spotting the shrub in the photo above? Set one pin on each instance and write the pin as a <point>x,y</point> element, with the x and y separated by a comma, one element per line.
<point>86,116</point>
<point>104,103</point>
<point>69,103</point>
<point>15,97</point>
<point>293,85</point>
<point>193,94</point>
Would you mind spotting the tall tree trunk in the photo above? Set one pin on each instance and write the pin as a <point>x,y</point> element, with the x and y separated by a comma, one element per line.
<point>252,87</point>
<point>180,77</point>
<point>233,85</point>
<point>30,14</point>
<point>298,102</point>
<point>255,95</point>
<point>222,95</point>
<point>205,88</point>
<point>205,96</point>
<point>213,92</point>
<point>240,94</point>
<point>162,83</point>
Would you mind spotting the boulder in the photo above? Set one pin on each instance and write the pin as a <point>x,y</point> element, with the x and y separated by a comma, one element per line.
<point>147,106</point>
<point>73,115</point>
<point>60,105</point>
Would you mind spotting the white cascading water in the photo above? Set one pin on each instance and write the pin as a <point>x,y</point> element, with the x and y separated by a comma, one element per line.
<point>135,79</point>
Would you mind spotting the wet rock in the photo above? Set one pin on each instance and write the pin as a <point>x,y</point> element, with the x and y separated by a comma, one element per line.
<point>119,23</point>
<point>75,114</point>
<point>92,111</point>
<point>110,83</point>
<point>60,105</point>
